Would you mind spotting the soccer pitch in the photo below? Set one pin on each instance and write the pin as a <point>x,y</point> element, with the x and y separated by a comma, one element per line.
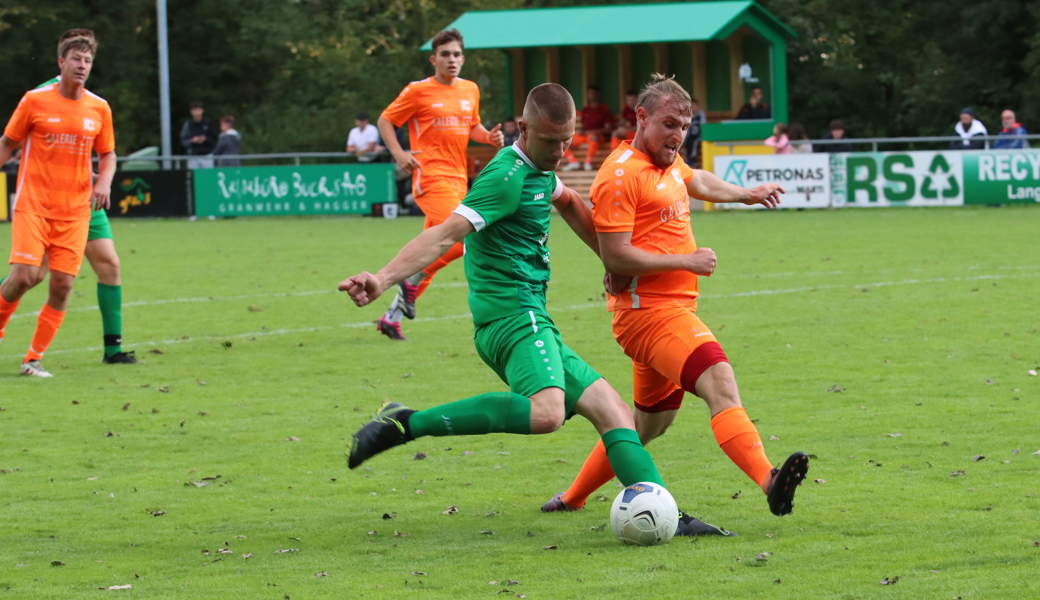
<point>892,345</point>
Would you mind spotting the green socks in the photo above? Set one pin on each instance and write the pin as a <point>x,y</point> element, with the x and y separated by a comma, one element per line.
<point>494,412</point>
<point>630,461</point>
<point>110,302</point>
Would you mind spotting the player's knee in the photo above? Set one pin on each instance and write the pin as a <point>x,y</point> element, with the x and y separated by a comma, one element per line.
<point>61,286</point>
<point>548,411</point>
<point>24,280</point>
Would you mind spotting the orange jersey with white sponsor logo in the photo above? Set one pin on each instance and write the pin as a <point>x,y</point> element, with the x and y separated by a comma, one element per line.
<point>439,118</point>
<point>631,194</point>
<point>54,179</point>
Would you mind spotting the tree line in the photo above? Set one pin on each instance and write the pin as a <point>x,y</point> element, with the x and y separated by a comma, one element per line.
<point>295,72</point>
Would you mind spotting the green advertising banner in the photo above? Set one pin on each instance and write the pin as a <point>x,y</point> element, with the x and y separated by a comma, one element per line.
<point>293,190</point>
<point>1002,177</point>
<point>898,179</point>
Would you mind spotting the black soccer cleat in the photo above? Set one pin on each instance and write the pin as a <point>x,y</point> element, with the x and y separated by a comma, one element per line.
<point>556,504</point>
<point>381,433</point>
<point>390,330</point>
<point>408,293</point>
<point>120,358</point>
<point>784,481</point>
<point>689,527</point>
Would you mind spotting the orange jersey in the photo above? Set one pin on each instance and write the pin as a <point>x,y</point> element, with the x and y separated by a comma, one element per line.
<point>54,179</point>
<point>631,194</point>
<point>439,118</point>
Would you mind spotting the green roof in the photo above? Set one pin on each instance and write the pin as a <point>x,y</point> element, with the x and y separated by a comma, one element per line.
<point>623,24</point>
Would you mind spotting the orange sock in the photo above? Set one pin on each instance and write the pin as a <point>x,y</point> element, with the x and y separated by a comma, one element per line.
<point>452,254</point>
<point>593,148</point>
<point>46,328</point>
<point>739,439</point>
<point>594,473</point>
<point>6,310</point>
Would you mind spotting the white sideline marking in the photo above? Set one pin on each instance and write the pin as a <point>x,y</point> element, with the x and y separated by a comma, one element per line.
<point>586,305</point>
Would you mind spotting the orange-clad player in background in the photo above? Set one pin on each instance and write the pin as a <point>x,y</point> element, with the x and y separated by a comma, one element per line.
<point>61,125</point>
<point>626,129</point>
<point>596,124</point>
<point>641,210</point>
<point>442,114</point>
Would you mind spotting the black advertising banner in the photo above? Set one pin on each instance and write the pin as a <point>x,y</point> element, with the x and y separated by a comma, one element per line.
<point>151,194</point>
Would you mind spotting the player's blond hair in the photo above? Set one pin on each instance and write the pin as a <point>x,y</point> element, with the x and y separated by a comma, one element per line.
<point>662,89</point>
<point>77,39</point>
<point>551,101</point>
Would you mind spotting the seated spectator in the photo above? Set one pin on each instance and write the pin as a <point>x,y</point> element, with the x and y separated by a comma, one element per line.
<point>797,132</point>
<point>755,108</point>
<point>510,132</point>
<point>692,143</point>
<point>596,123</point>
<point>1011,133</point>
<point>778,141</point>
<point>363,139</point>
<point>626,129</point>
<point>837,132</point>
<point>967,128</point>
<point>228,142</point>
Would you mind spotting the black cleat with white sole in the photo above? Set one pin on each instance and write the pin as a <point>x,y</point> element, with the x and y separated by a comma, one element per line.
<point>383,432</point>
<point>690,527</point>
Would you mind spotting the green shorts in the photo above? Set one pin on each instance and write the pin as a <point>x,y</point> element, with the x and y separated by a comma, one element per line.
<point>527,353</point>
<point>100,228</point>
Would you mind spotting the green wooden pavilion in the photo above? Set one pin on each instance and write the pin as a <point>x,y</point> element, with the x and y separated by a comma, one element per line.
<point>717,50</point>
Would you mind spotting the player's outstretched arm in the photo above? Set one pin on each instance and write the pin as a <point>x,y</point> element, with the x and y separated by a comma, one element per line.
<point>417,254</point>
<point>479,134</point>
<point>103,186</point>
<point>708,186</point>
<point>576,213</point>
<point>621,257</point>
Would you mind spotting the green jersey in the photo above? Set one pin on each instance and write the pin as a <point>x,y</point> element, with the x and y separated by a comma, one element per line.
<point>507,257</point>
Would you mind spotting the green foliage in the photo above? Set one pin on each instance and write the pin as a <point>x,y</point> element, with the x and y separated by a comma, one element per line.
<point>294,73</point>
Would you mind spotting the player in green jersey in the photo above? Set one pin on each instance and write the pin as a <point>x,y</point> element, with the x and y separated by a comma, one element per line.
<point>504,220</point>
<point>101,252</point>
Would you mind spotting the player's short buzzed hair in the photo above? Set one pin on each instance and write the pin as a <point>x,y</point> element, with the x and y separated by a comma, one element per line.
<point>77,39</point>
<point>447,36</point>
<point>550,101</point>
<point>662,89</point>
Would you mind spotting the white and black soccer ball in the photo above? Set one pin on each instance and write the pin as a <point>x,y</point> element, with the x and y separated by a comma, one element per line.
<point>644,514</point>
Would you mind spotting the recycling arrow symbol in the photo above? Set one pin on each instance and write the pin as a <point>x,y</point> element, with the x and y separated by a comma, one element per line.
<point>950,188</point>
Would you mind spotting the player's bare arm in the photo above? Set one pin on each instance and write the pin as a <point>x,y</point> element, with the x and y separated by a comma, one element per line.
<point>102,194</point>
<point>621,257</point>
<point>405,158</point>
<point>479,134</point>
<point>576,213</point>
<point>710,187</point>
<point>7,146</point>
<point>417,254</point>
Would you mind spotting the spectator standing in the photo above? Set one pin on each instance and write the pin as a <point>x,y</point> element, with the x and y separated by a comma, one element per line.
<point>228,143</point>
<point>778,141</point>
<point>596,124</point>
<point>363,139</point>
<point>1010,134</point>
<point>692,143</point>
<point>198,137</point>
<point>795,133</point>
<point>967,128</point>
<point>837,132</point>
<point>755,108</point>
<point>626,129</point>
<point>510,133</point>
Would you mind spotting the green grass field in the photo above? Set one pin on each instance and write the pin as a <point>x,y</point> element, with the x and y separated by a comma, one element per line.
<point>893,345</point>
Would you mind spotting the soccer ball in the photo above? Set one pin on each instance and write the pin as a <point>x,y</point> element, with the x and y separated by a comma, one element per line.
<point>644,514</point>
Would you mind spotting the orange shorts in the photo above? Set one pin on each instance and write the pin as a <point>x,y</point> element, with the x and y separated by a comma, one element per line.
<point>440,200</point>
<point>64,242</point>
<point>659,340</point>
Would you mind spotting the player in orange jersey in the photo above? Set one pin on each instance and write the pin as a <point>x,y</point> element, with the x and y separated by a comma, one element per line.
<point>60,125</point>
<point>641,210</point>
<point>442,114</point>
<point>596,124</point>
